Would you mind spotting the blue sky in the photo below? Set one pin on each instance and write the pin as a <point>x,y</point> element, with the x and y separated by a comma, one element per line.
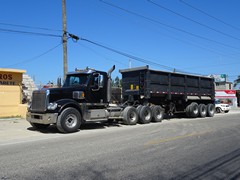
<point>167,32</point>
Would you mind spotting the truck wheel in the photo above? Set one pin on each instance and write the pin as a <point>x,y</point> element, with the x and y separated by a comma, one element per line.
<point>157,113</point>
<point>139,108</point>
<point>40,126</point>
<point>69,120</point>
<point>202,110</point>
<point>193,110</point>
<point>145,115</point>
<point>210,110</point>
<point>130,116</point>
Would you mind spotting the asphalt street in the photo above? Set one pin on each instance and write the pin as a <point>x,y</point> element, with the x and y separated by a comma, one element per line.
<point>178,148</point>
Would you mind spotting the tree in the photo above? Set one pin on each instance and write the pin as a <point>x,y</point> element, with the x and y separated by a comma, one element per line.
<point>117,82</point>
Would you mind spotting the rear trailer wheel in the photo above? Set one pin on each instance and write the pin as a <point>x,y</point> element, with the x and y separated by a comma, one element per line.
<point>130,116</point>
<point>192,110</point>
<point>40,126</point>
<point>145,115</point>
<point>188,110</point>
<point>157,113</point>
<point>202,110</point>
<point>69,120</point>
<point>210,110</point>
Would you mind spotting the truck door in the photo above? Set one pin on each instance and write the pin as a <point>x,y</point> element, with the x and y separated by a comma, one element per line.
<point>98,88</point>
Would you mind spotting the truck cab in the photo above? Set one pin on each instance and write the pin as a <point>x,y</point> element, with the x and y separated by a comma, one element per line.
<point>84,95</point>
<point>91,83</point>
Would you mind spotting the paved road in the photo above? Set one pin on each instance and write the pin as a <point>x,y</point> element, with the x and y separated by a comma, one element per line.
<point>206,148</point>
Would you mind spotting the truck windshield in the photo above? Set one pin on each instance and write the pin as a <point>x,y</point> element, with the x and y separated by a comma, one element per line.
<point>76,80</point>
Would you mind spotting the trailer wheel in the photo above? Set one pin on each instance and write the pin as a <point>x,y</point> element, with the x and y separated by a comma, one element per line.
<point>130,116</point>
<point>157,113</point>
<point>188,110</point>
<point>202,110</point>
<point>145,115</point>
<point>40,126</point>
<point>192,110</point>
<point>210,110</point>
<point>69,120</point>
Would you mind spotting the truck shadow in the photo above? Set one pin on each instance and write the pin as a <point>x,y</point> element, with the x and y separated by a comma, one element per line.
<point>99,125</point>
<point>52,129</point>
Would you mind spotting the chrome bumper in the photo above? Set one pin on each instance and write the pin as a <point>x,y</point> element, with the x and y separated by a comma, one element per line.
<point>49,118</point>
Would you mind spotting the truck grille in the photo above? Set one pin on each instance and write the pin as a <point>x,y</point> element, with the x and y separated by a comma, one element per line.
<point>39,101</point>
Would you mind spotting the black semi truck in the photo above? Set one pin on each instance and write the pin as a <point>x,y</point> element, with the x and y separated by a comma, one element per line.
<point>146,96</point>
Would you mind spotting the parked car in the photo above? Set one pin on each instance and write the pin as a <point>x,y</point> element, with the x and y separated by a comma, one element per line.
<point>221,107</point>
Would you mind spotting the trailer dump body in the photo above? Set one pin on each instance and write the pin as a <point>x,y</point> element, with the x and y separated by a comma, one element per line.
<point>160,87</point>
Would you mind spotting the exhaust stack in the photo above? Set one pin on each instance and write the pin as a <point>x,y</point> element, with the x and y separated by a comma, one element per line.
<point>109,85</point>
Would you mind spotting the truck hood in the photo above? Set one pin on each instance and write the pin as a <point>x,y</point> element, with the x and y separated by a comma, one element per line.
<point>63,93</point>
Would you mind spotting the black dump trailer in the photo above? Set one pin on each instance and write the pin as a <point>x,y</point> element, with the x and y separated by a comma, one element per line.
<point>171,92</point>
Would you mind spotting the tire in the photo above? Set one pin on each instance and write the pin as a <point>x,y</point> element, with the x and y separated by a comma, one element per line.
<point>193,110</point>
<point>188,110</point>
<point>210,110</point>
<point>130,116</point>
<point>139,109</point>
<point>40,126</point>
<point>69,120</point>
<point>157,113</point>
<point>226,111</point>
<point>145,115</point>
<point>202,110</point>
<point>218,110</point>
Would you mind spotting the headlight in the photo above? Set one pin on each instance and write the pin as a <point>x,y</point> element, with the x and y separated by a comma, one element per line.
<point>52,106</point>
<point>29,106</point>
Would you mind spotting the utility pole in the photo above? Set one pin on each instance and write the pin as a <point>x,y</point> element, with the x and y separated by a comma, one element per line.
<point>64,39</point>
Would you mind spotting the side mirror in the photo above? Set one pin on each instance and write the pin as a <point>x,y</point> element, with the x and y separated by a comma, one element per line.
<point>59,82</point>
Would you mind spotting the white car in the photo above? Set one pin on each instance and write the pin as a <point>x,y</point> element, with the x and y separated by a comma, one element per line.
<point>221,107</point>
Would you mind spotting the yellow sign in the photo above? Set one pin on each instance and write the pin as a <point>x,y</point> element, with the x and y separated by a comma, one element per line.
<point>11,77</point>
<point>6,79</point>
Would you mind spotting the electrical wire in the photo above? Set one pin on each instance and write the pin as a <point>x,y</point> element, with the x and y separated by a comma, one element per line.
<point>128,55</point>
<point>192,20</point>
<point>33,58</point>
<point>169,26</point>
<point>138,58</point>
<point>209,15</point>
<point>101,55</point>
<point>29,27</point>
<point>29,33</point>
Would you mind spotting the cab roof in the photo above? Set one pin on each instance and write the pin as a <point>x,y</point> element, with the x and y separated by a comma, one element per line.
<point>84,71</point>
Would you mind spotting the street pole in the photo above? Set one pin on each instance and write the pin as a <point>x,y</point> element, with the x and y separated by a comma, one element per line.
<point>64,38</point>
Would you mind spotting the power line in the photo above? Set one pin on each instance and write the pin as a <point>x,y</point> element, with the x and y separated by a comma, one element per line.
<point>169,26</point>
<point>29,33</point>
<point>128,55</point>
<point>137,58</point>
<point>29,27</point>
<point>101,55</point>
<point>209,15</point>
<point>192,20</point>
<point>34,58</point>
